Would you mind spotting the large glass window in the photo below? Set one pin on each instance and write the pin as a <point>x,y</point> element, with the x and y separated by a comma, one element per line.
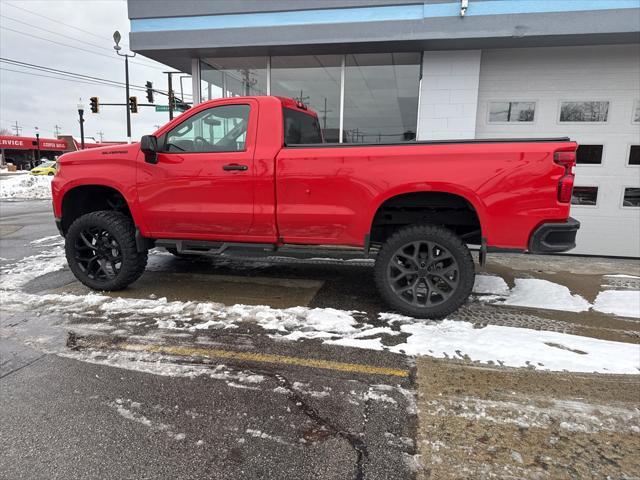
<point>233,77</point>
<point>218,129</point>
<point>315,81</point>
<point>381,97</point>
<point>380,90</point>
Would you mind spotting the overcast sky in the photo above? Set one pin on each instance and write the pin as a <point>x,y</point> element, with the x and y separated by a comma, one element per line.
<point>45,102</point>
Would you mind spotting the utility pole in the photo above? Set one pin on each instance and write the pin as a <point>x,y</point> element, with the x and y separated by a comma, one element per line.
<point>17,128</point>
<point>56,130</point>
<point>100,134</point>
<point>171,94</point>
<point>324,114</point>
<point>117,48</point>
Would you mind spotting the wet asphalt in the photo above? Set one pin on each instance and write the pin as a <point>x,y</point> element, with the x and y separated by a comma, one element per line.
<point>64,417</point>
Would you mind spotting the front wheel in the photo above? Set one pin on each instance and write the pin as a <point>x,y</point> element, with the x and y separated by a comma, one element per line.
<point>101,251</point>
<point>424,271</point>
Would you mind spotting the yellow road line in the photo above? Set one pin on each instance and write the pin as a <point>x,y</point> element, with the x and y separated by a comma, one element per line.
<point>263,358</point>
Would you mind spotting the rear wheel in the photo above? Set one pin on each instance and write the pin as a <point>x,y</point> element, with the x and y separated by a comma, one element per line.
<point>424,271</point>
<point>101,251</point>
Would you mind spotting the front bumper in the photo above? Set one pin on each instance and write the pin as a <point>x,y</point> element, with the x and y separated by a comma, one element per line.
<point>554,237</point>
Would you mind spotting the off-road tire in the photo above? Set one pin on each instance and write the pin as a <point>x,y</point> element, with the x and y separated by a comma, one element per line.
<point>122,230</point>
<point>448,241</point>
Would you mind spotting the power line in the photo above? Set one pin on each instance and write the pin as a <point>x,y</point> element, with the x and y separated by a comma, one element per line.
<point>54,33</point>
<point>86,82</point>
<point>68,76</point>
<point>58,22</point>
<point>75,39</point>
<point>74,47</point>
<point>68,73</point>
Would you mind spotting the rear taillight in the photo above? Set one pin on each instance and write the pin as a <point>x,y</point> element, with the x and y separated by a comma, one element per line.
<point>566,159</point>
<point>565,188</point>
<point>565,185</point>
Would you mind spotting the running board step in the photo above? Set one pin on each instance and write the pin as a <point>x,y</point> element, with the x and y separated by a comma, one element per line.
<point>197,247</point>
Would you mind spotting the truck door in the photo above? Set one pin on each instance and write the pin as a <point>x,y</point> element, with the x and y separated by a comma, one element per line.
<point>202,186</point>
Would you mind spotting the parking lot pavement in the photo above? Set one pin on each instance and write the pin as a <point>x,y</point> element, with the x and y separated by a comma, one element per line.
<point>485,422</point>
<point>228,368</point>
<point>65,418</point>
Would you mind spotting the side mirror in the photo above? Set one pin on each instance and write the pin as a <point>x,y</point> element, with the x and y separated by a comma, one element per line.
<point>149,146</point>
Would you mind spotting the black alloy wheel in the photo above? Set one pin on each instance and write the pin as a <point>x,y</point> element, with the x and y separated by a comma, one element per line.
<point>424,271</point>
<point>98,254</point>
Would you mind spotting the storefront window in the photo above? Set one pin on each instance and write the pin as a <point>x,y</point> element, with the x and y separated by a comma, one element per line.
<point>233,77</point>
<point>381,97</point>
<point>315,81</point>
<point>380,90</point>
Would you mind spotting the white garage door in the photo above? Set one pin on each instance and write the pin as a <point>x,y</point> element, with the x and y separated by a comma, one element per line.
<point>591,94</point>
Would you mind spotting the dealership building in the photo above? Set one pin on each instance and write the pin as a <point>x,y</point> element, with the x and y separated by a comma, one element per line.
<point>379,71</point>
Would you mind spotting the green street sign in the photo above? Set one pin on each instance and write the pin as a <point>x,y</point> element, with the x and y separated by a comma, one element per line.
<point>165,108</point>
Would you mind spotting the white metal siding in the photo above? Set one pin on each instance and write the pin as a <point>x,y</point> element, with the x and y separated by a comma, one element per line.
<point>551,75</point>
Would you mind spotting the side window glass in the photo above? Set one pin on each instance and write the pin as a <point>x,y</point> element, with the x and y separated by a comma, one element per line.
<point>217,129</point>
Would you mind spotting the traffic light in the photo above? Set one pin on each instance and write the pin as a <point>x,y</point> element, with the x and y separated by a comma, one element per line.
<point>133,104</point>
<point>95,104</point>
<point>149,86</point>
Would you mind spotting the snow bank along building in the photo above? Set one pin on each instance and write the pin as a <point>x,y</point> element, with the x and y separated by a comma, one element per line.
<point>397,70</point>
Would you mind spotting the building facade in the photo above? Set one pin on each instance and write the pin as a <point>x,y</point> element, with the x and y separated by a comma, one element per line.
<point>380,71</point>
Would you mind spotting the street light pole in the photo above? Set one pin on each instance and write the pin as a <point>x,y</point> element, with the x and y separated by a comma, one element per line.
<point>116,38</point>
<point>81,115</point>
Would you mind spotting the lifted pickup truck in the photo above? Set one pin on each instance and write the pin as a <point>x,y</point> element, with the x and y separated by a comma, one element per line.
<point>253,173</point>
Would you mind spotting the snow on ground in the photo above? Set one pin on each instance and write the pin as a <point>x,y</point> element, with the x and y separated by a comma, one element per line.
<point>519,347</point>
<point>625,303</point>
<point>490,284</point>
<point>538,293</point>
<point>26,186</point>
<point>508,346</point>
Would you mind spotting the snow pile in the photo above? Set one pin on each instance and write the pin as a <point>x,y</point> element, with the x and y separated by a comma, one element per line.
<point>519,347</point>
<point>26,187</point>
<point>625,303</point>
<point>537,293</point>
<point>489,284</point>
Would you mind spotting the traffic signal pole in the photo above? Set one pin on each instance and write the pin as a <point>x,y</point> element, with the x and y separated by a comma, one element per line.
<point>126,74</point>
<point>171,96</point>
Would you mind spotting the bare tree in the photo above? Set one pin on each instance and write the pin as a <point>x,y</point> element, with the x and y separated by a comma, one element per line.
<point>6,132</point>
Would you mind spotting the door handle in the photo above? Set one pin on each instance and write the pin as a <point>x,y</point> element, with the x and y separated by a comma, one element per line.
<point>234,166</point>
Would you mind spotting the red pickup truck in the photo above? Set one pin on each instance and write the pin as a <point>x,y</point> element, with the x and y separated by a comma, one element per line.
<point>253,173</point>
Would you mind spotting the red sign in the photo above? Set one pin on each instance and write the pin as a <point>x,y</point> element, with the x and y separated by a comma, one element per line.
<point>29,143</point>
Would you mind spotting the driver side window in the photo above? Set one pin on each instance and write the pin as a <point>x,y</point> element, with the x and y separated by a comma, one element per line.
<point>217,129</point>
